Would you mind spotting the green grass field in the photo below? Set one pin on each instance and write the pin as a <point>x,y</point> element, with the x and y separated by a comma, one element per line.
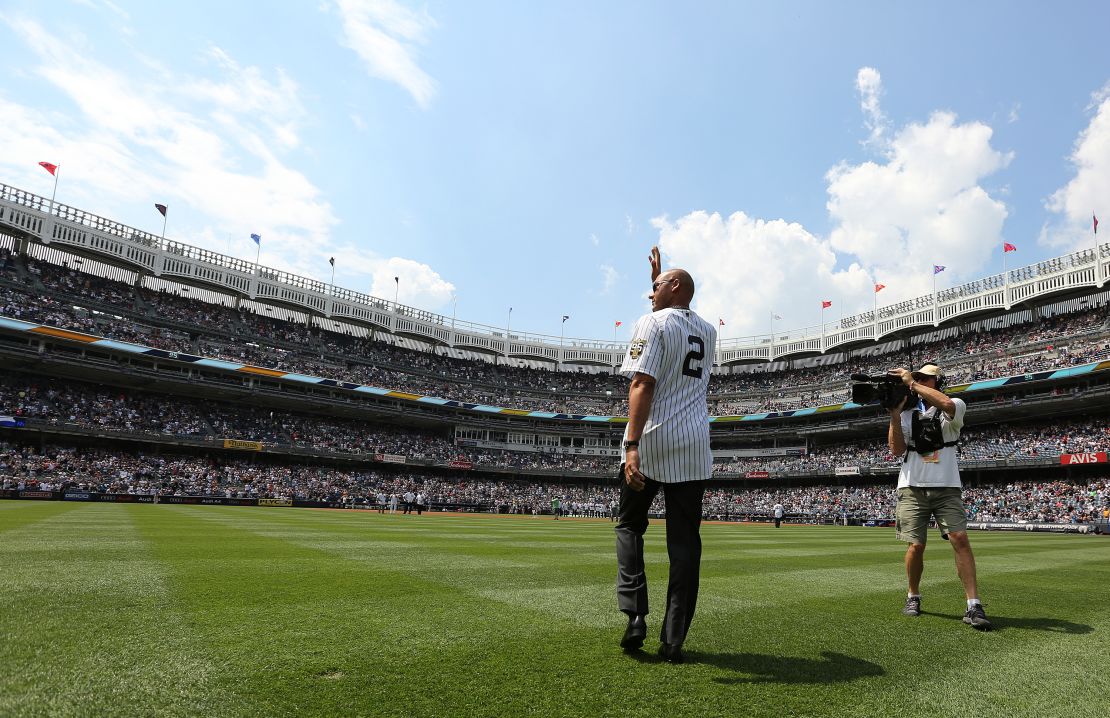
<point>113,610</point>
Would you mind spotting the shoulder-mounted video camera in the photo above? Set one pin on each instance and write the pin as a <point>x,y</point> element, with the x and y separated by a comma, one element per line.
<point>886,390</point>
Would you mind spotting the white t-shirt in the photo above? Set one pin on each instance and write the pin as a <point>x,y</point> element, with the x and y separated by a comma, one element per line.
<point>939,468</point>
<point>778,511</point>
<point>675,346</point>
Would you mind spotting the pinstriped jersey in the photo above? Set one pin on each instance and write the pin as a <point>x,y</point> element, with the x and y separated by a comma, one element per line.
<point>675,346</point>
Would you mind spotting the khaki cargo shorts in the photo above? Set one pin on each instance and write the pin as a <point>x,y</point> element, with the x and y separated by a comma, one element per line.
<point>917,505</point>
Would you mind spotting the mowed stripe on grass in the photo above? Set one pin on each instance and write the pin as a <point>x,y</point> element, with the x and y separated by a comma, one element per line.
<point>176,610</point>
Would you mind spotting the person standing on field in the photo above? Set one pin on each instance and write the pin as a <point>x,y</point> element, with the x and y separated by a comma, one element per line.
<point>924,430</point>
<point>666,448</point>
<point>779,510</point>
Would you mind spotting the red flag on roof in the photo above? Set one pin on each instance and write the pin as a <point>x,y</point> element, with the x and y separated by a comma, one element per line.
<point>721,322</point>
<point>161,208</point>
<point>1095,219</point>
<point>616,324</point>
<point>826,304</point>
<point>1007,247</point>
<point>879,287</point>
<point>51,168</point>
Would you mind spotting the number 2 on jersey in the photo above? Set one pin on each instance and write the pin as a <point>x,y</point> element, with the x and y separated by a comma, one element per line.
<point>696,354</point>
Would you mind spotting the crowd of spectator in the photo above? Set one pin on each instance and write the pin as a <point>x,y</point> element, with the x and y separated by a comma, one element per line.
<point>63,403</point>
<point>65,297</point>
<point>106,471</point>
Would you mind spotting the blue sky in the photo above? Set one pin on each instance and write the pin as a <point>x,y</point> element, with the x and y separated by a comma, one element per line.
<point>528,155</point>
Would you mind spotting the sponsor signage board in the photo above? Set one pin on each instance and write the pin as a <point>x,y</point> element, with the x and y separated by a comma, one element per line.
<point>757,475</point>
<point>1058,528</point>
<point>389,458</point>
<point>1097,457</point>
<point>240,444</point>
<point>847,471</point>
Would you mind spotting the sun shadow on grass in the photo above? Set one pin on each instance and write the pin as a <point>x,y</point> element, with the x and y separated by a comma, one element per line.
<point>760,668</point>
<point>1001,623</point>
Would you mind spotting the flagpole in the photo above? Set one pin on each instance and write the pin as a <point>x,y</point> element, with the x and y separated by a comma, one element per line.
<point>771,346</point>
<point>58,169</point>
<point>257,253</point>
<point>875,317</point>
<point>396,291</point>
<point>508,325</point>
<point>165,218</point>
<point>562,329</point>
<point>717,348</point>
<point>936,314</point>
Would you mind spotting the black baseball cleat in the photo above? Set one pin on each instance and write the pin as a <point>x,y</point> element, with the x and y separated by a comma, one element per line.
<point>635,634</point>
<point>913,606</point>
<point>976,618</point>
<point>672,652</point>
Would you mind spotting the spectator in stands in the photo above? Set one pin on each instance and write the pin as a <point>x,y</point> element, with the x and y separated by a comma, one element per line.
<point>929,486</point>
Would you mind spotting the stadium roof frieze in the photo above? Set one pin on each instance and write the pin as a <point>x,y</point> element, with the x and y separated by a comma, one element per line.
<point>35,218</point>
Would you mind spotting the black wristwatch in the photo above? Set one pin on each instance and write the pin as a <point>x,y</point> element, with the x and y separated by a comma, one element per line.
<point>631,444</point>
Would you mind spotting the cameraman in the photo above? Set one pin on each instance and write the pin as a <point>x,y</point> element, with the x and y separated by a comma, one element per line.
<point>924,429</point>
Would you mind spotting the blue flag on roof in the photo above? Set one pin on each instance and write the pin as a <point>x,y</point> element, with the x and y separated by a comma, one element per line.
<point>257,239</point>
<point>938,268</point>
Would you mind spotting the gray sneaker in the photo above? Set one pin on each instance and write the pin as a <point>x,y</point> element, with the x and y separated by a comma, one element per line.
<point>913,606</point>
<point>976,618</point>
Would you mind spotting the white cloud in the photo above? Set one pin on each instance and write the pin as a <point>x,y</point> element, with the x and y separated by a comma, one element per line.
<point>745,266</point>
<point>1088,192</point>
<point>594,240</point>
<point>869,84</point>
<point>923,206</point>
<point>893,219</point>
<point>1015,113</point>
<point>196,144</point>
<point>609,278</point>
<point>418,283</point>
<point>384,33</point>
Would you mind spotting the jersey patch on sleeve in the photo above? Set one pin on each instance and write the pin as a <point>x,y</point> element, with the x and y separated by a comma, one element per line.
<point>636,348</point>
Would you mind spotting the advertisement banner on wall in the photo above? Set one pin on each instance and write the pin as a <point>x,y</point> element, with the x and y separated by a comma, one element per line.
<point>1097,457</point>
<point>240,444</point>
<point>389,458</point>
<point>757,475</point>
<point>847,471</point>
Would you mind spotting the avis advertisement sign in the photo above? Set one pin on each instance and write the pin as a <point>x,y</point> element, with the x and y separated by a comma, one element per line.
<point>1098,457</point>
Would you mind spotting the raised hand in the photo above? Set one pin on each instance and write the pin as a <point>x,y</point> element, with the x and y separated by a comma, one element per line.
<point>656,263</point>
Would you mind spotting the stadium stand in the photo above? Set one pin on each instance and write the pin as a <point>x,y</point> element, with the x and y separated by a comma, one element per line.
<point>504,430</point>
